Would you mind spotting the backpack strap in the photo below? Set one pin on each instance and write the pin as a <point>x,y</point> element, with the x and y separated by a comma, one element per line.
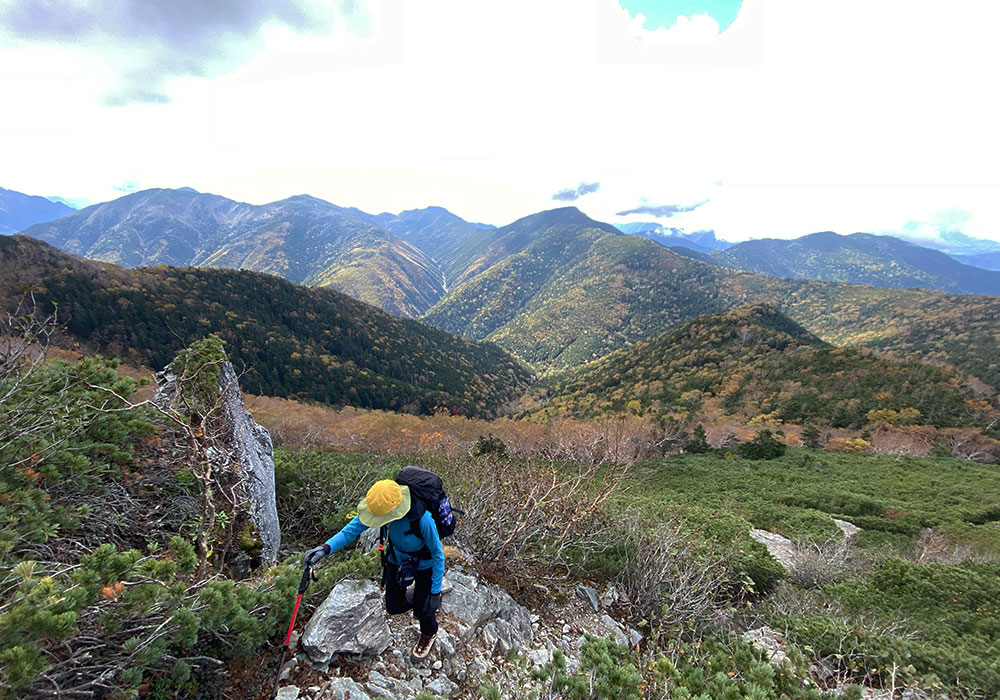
<point>381,545</point>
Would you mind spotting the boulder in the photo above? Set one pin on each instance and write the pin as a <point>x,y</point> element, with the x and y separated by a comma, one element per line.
<point>350,621</point>
<point>344,689</point>
<point>488,609</point>
<point>849,529</point>
<point>781,548</point>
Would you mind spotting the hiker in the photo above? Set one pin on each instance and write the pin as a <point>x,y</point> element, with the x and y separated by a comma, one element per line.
<point>414,554</point>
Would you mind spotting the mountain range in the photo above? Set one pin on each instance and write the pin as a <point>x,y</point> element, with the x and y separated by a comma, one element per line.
<point>18,211</point>
<point>556,288</point>
<point>860,258</point>
<point>574,290</point>
<point>303,239</point>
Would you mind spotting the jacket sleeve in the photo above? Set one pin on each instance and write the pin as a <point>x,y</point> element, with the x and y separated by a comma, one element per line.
<point>346,535</point>
<point>429,531</point>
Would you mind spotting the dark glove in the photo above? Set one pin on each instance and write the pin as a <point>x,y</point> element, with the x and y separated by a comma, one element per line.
<point>317,553</point>
<point>432,605</point>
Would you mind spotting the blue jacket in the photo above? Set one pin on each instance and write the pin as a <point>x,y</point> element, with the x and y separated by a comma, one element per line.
<point>403,542</point>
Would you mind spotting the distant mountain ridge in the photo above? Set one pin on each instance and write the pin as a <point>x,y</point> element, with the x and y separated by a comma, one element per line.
<point>559,289</point>
<point>302,238</point>
<point>859,258</point>
<point>18,211</point>
<point>700,241</point>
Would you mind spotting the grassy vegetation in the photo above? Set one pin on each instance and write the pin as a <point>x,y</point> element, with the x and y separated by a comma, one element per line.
<point>800,492</point>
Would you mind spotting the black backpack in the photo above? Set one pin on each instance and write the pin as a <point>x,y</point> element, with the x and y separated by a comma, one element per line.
<point>427,487</point>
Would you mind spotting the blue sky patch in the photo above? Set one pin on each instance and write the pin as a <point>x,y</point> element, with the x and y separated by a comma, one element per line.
<point>663,14</point>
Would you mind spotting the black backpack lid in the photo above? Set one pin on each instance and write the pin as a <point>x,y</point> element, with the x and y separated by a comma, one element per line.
<point>416,511</point>
<point>424,485</point>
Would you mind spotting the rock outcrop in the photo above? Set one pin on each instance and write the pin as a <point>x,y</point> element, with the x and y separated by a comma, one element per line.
<point>242,454</point>
<point>254,456</point>
<point>501,622</point>
<point>350,621</point>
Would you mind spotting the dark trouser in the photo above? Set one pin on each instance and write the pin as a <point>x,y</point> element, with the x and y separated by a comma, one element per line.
<point>396,603</point>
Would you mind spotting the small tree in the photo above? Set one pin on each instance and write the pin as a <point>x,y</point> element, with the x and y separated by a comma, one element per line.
<point>698,444</point>
<point>811,437</point>
<point>763,446</point>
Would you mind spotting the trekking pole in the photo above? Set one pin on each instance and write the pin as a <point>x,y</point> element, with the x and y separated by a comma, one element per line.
<point>303,585</point>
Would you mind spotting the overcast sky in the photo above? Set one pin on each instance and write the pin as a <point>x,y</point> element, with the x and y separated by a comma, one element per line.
<point>773,118</point>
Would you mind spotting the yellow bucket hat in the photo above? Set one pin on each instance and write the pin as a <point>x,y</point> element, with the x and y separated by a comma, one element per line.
<point>386,501</point>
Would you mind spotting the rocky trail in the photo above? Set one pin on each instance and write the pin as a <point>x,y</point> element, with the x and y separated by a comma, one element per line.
<point>351,649</point>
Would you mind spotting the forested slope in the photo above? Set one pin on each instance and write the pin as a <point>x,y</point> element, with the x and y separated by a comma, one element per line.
<point>290,340</point>
<point>565,294</point>
<point>756,360</point>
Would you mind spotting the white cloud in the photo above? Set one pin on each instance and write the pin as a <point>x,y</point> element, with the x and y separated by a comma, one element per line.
<point>813,116</point>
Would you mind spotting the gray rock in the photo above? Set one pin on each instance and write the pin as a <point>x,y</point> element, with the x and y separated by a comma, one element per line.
<point>611,623</point>
<point>368,540</point>
<point>344,689</point>
<point>588,594</point>
<point>478,667</point>
<point>539,657</point>
<point>289,692</point>
<point>634,637</point>
<point>781,548</point>
<point>380,685</point>
<point>444,645</point>
<point>849,529</point>
<point>350,621</point>
<point>244,450</point>
<point>441,686</point>
<point>766,639</point>
<point>476,606</point>
<point>611,596</point>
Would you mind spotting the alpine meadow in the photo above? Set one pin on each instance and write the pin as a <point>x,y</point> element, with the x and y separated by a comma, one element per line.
<point>621,350</point>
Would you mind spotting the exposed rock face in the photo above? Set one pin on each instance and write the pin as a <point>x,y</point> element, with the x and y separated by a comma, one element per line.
<point>350,621</point>
<point>243,450</point>
<point>504,624</point>
<point>255,457</point>
<point>781,548</point>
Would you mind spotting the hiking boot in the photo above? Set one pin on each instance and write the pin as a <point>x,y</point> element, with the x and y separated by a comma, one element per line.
<point>423,646</point>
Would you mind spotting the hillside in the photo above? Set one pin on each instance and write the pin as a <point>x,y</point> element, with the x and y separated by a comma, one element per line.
<point>290,340</point>
<point>860,258</point>
<point>449,240</point>
<point>559,289</point>
<point>754,360</point>
<point>303,239</point>
<point>18,211</point>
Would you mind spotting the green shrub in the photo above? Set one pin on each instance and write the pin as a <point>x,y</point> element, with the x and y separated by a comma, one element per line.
<point>489,446</point>
<point>698,444</point>
<point>763,446</point>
